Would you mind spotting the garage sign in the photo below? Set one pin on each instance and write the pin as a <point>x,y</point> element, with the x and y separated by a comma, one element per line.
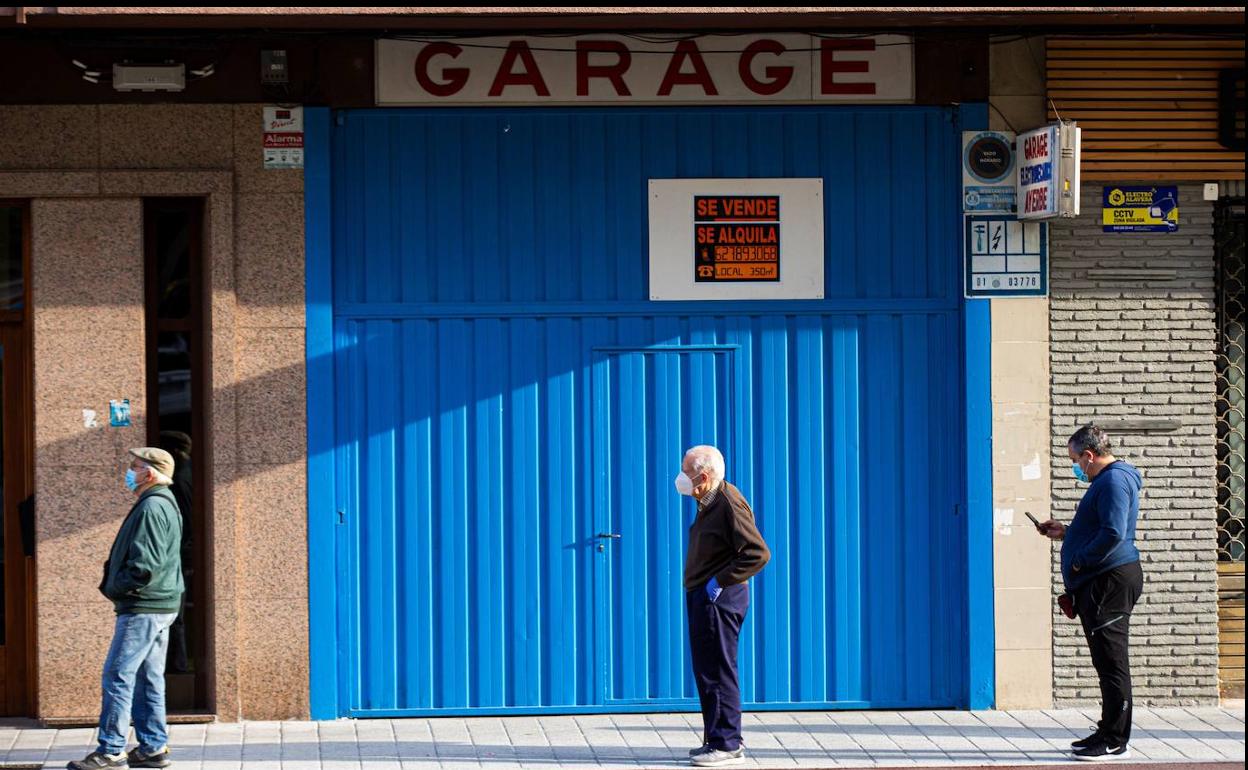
<point>596,69</point>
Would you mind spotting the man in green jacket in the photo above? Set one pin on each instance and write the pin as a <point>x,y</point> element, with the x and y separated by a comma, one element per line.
<point>143,578</point>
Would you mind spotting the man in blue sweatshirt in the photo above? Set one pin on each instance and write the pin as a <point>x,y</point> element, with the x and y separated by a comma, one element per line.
<point>1101,570</point>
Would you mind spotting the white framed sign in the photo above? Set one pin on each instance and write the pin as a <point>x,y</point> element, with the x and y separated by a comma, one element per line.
<point>283,137</point>
<point>732,239</point>
<point>1005,257</point>
<point>1048,161</point>
<point>597,69</point>
<point>1037,173</point>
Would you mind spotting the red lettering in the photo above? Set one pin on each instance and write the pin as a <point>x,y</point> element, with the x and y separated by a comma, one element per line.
<point>829,66</point>
<point>613,72</point>
<point>1037,200</point>
<point>1036,146</point>
<point>454,78</point>
<point>687,49</point>
<point>778,77</point>
<point>529,76</point>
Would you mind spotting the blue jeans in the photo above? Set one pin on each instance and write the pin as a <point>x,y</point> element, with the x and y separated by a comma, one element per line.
<point>134,682</point>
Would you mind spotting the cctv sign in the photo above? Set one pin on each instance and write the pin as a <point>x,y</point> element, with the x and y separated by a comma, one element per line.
<point>598,69</point>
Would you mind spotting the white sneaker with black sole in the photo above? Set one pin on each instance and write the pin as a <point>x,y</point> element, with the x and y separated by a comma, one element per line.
<point>718,758</point>
<point>1102,751</point>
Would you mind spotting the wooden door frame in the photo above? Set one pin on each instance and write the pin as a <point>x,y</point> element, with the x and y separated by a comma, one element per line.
<point>195,326</point>
<point>18,695</point>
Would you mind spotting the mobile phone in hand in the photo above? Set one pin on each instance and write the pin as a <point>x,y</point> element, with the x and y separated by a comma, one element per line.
<point>1033,521</point>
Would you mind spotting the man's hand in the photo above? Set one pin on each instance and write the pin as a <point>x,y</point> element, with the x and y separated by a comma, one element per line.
<point>1053,530</point>
<point>713,590</point>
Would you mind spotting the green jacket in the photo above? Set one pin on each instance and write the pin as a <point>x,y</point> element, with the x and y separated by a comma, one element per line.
<point>143,574</point>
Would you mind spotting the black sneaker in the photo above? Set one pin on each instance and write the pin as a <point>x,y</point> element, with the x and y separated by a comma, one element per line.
<point>98,759</point>
<point>159,759</point>
<point>1086,742</point>
<point>1102,751</point>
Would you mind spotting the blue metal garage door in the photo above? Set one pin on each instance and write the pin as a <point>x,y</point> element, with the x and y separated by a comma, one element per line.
<point>509,411</point>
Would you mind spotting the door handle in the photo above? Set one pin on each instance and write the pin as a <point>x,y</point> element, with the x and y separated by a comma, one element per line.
<point>608,536</point>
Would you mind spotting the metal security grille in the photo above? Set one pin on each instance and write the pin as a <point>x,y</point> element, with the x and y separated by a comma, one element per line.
<point>1230,233</point>
<point>1230,240</point>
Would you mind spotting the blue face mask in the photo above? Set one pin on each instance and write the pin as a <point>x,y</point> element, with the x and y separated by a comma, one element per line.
<point>1079,473</point>
<point>131,483</point>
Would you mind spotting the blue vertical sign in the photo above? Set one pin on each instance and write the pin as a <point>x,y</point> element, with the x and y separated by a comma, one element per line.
<point>1037,173</point>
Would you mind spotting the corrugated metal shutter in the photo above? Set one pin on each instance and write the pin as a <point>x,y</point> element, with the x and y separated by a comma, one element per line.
<point>1148,106</point>
<point>507,393</point>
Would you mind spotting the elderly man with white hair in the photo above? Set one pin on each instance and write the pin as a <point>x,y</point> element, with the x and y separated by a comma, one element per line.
<point>143,578</point>
<point>725,551</point>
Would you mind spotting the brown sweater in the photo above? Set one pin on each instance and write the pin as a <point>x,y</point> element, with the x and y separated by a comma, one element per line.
<point>724,543</point>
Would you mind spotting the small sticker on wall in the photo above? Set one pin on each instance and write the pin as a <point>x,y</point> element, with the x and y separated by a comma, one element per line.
<point>119,413</point>
<point>1003,520</point>
<point>90,420</point>
<point>1033,471</point>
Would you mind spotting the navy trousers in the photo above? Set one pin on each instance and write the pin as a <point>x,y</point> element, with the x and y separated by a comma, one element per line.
<point>714,628</point>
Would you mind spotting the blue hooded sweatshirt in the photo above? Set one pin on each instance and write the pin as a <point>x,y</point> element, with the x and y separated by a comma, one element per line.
<point>1102,536</point>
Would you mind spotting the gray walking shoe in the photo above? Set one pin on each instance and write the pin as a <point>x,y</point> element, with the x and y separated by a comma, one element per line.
<point>97,760</point>
<point>705,748</point>
<point>161,758</point>
<point>718,758</point>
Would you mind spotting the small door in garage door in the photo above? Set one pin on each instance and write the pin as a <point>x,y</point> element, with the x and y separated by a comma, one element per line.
<point>649,407</point>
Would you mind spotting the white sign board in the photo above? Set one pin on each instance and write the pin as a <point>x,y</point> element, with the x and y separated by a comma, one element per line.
<point>283,137</point>
<point>1048,171</point>
<point>1005,257</point>
<point>596,69</point>
<point>724,239</point>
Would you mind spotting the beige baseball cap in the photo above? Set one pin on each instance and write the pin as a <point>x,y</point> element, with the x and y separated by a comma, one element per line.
<point>159,459</point>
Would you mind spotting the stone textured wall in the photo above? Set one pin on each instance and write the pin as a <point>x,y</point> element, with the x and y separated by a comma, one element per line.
<point>1133,337</point>
<point>85,170</point>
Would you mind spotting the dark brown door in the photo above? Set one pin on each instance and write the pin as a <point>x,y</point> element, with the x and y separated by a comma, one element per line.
<point>176,422</point>
<point>17,537</point>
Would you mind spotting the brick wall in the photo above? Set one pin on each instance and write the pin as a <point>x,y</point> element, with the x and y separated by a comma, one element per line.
<point>1132,318</point>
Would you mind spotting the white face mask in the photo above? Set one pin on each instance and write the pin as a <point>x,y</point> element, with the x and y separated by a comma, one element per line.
<point>684,484</point>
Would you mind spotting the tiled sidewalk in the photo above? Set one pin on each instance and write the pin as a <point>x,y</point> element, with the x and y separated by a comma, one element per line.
<point>774,740</point>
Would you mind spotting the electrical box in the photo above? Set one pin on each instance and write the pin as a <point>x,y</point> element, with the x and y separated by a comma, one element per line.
<point>274,70</point>
<point>143,77</point>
